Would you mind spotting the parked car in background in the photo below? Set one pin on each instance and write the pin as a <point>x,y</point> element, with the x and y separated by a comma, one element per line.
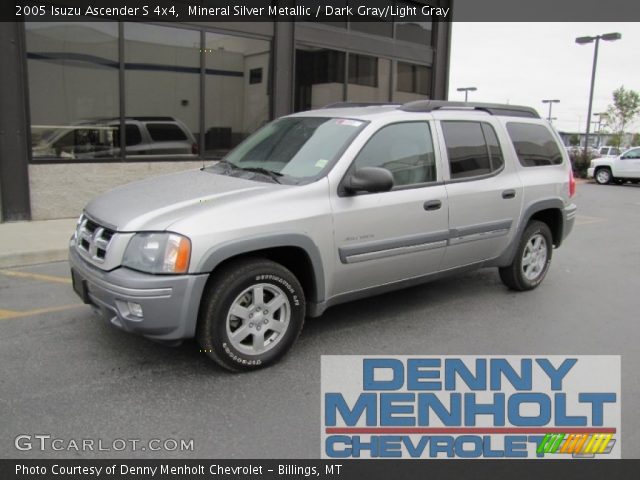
<point>608,151</point>
<point>619,169</point>
<point>100,139</point>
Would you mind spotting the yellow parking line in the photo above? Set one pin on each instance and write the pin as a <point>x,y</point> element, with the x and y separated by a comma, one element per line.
<point>11,314</point>
<point>36,276</point>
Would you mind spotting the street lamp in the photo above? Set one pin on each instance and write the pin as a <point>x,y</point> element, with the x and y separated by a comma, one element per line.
<point>609,37</point>
<point>550,102</point>
<point>466,91</point>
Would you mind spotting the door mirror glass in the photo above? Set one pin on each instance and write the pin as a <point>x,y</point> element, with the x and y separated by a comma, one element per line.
<point>369,179</point>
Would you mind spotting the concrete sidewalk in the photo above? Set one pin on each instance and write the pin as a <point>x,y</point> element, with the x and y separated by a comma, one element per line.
<point>30,243</point>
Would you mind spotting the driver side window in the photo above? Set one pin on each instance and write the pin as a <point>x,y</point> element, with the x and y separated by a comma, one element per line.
<point>632,154</point>
<point>405,149</point>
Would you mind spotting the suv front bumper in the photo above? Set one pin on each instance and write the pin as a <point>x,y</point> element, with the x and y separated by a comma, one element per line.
<point>590,172</point>
<point>169,303</point>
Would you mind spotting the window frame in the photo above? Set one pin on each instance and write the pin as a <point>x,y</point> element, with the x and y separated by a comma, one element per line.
<point>122,157</point>
<point>445,153</point>
<point>342,191</point>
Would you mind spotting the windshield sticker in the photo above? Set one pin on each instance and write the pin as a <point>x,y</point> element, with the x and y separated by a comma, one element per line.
<point>347,122</point>
<point>321,163</point>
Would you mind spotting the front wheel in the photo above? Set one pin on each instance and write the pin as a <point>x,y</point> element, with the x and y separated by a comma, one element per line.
<point>603,176</point>
<point>251,315</point>
<point>532,259</point>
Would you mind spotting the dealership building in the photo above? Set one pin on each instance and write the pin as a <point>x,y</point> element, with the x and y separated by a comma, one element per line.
<point>183,93</point>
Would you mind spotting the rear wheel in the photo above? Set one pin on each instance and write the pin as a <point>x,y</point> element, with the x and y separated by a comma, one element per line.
<point>251,315</point>
<point>603,176</point>
<point>532,259</point>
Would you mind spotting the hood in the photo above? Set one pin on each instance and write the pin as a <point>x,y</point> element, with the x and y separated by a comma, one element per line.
<point>155,203</point>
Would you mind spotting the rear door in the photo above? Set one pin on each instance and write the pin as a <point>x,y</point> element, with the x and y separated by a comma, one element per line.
<point>484,191</point>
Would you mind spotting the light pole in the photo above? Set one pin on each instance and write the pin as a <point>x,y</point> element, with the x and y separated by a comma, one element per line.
<point>609,37</point>
<point>550,102</point>
<point>466,91</point>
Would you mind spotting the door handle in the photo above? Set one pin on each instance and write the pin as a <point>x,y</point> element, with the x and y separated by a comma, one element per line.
<point>509,194</point>
<point>432,205</point>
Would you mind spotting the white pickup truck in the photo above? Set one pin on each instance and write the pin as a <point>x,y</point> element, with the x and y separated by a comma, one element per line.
<point>625,167</point>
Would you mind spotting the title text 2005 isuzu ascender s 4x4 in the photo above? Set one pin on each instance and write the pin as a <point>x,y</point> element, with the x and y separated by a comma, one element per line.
<point>322,207</point>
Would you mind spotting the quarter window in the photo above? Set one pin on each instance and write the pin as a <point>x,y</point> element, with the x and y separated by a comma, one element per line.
<point>165,132</point>
<point>405,149</point>
<point>472,148</point>
<point>534,144</point>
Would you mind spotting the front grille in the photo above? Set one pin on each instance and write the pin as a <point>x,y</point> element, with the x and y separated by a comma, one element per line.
<point>93,239</point>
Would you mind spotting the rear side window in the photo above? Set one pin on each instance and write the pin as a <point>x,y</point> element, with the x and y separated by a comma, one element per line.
<point>472,148</point>
<point>534,144</point>
<point>165,132</point>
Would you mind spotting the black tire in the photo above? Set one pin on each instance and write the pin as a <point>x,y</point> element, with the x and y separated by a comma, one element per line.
<point>603,176</point>
<point>514,275</point>
<point>226,290</point>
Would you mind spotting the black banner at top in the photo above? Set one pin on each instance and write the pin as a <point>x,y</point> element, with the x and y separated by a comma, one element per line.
<point>321,10</point>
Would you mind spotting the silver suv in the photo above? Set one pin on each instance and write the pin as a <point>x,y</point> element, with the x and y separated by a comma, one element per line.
<point>320,208</point>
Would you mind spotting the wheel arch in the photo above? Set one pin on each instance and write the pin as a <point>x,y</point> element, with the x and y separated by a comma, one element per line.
<point>297,252</point>
<point>549,211</point>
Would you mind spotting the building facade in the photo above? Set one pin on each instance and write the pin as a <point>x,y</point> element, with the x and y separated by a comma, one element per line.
<point>183,94</point>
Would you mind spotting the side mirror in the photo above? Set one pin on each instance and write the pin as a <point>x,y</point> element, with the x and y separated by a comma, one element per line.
<point>369,179</point>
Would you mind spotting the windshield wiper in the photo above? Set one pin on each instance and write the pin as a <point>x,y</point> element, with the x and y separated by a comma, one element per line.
<point>263,171</point>
<point>269,173</point>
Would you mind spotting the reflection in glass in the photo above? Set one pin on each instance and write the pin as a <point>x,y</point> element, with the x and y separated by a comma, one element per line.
<point>237,86</point>
<point>320,77</point>
<point>162,88</point>
<point>73,89</point>
<point>413,82</point>
<point>369,78</point>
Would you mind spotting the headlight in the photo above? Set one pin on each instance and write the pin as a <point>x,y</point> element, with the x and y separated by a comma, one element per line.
<point>158,253</point>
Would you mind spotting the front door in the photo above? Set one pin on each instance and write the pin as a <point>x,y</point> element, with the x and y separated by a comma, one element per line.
<point>381,238</point>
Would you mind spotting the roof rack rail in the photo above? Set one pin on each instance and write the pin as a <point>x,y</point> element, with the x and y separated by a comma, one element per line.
<point>151,118</point>
<point>361,104</point>
<point>490,108</point>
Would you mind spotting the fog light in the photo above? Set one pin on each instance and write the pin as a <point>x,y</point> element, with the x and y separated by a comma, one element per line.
<point>135,309</point>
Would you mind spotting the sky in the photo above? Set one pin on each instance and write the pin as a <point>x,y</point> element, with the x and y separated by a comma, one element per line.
<point>524,63</point>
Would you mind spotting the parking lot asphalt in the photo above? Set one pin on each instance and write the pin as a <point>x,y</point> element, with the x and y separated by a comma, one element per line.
<point>67,374</point>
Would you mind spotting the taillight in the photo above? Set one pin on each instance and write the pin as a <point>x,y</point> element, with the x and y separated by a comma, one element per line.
<point>572,184</point>
<point>195,150</point>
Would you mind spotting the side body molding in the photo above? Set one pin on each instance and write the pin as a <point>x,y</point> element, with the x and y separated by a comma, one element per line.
<point>221,252</point>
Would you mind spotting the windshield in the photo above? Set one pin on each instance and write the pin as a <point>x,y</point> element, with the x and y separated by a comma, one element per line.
<point>294,148</point>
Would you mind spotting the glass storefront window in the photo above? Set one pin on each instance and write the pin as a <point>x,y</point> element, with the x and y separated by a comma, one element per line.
<point>413,82</point>
<point>237,90</point>
<point>415,32</point>
<point>369,78</point>
<point>162,89</point>
<point>320,77</point>
<point>73,89</point>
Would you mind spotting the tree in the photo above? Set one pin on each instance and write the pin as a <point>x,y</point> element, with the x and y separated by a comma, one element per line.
<point>635,140</point>
<point>625,108</point>
<point>574,140</point>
